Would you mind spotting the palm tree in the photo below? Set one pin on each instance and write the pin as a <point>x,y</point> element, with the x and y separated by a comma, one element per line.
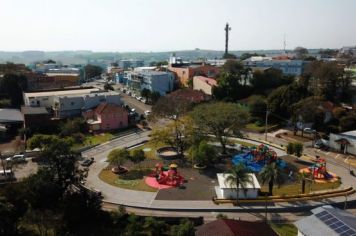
<point>238,178</point>
<point>272,174</point>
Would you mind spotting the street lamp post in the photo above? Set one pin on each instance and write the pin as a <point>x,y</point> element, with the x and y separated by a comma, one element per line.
<point>266,123</point>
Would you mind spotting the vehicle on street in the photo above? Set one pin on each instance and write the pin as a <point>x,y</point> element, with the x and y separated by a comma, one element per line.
<point>133,110</point>
<point>147,113</point>
<point>88,162</point>
<point>17,158</point>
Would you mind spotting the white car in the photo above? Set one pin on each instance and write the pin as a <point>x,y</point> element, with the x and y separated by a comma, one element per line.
<point>17,158</point>
<point>147,113</point>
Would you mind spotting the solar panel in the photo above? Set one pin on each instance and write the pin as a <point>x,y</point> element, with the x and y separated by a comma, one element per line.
<point>335,224</point>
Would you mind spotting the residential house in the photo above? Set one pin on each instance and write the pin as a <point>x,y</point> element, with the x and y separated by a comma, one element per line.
<point>344,142</point>
<point>106,116</point>
<point>327,221</point>
<point>229,227</point>
<point>204,84</point>
<point>226,191</point>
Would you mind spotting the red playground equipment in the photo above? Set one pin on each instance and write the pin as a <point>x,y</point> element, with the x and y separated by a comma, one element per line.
<point>318,170</point>
<point>263,153</point>
<point>168,175</point>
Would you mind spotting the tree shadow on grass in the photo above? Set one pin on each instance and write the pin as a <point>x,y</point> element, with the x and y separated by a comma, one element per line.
<point>135,174</point>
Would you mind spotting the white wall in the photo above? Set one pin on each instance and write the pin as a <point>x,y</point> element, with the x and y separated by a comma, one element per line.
<point>351,149</point>
<point>231,193</point>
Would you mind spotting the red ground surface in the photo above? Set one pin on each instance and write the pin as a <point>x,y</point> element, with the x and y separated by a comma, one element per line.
<point>152,182</point>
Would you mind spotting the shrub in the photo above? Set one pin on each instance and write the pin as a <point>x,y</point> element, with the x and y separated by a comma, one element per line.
<point>298,149</point>
<point>290,148</point>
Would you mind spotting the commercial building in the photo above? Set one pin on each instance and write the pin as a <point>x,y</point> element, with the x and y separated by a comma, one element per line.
<point>35,116</point>
<point>344,142</point>
<point>226,191</point>
<point>327,221</point>
<point>70,102</point>
<point>204,84</point>
<point>155,81</point>
<point>286,65</point>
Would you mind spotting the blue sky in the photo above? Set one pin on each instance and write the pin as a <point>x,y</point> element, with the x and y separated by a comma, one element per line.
<point>160,25</point>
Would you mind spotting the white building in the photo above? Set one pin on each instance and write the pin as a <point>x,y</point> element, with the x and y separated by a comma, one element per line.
<point>67,103</point>
<point>344,142</point>
<point>227,191</point>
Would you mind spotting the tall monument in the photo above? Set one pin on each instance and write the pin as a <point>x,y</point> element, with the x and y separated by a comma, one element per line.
<point>227,29</point>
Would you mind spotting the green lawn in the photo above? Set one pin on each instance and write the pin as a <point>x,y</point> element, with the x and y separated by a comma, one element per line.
<point>290,189</point>
<point>94,140</point>
<point>285,229</point>
<point>243,143</point>
<point>149,149</point>
<point>256,128</point>
<point>133,180</point>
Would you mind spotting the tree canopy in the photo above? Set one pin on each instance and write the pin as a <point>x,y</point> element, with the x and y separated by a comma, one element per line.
<point>220,119</point>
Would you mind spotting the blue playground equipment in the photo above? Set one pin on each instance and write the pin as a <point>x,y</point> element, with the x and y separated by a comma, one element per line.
<point>255,160</point>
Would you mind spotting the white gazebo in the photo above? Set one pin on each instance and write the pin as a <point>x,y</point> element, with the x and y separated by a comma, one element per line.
<point>227,191</point>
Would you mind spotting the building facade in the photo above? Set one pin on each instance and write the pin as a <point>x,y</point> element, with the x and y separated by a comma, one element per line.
<point>127,64</point>
<point>287,66</point>
<point>155,81</point>
<point>106,116</point>
<point>344,142</point>
<point>68,103</point>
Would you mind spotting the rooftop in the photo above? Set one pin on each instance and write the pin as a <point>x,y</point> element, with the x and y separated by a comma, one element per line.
<point>33,110</point>
<point>64,92</point>
<point>10,116</point>
<point>327,220</point>
<point>228,227</point>
<point>208,80</point>
<point>107,107</point>
<point>223,184</point>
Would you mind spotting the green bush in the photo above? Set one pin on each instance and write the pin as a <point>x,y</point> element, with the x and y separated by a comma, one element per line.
<point>298,149</point>
<point>290,148</point>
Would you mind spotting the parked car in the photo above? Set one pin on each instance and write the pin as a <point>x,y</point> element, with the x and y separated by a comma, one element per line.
<point>17,158</point>
<point>309,130</point>
<point>88,162</point>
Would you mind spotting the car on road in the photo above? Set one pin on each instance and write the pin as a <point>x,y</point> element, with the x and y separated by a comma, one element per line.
<point>88,162</point>
<point>147,113</point>
<point>17,158</point>
<point>133,110</point>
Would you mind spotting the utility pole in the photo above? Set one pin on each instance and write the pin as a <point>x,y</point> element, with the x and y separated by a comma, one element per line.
<point>345,205</point>
<point>266,123</point>
<point>227,29</point>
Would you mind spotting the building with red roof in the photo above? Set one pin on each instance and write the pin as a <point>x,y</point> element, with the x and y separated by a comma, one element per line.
<point>204,84</point>
<point>106,116</point>
<point>190,95</point>
<point>228,227</point>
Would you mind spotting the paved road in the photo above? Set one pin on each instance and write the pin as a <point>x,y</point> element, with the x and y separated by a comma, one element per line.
<point>134,103</point>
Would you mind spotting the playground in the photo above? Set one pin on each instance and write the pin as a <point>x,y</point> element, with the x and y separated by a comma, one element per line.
<point>178,180</point>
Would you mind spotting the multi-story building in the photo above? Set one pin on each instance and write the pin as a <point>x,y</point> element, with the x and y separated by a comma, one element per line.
<point>155,81</point>
<point>70,102</point>
<point>287,66</point>
<point>127,64</point>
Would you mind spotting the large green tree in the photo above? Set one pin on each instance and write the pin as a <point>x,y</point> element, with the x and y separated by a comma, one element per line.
<point>91,71</point>
<point>118,156</point>
<point>219,119</point>
<point>13,86</point>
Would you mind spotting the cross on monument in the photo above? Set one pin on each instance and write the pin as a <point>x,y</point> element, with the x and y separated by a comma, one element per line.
<point>227,29</point>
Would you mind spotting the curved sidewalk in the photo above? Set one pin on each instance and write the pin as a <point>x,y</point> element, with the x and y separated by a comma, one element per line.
<point>147,200</point>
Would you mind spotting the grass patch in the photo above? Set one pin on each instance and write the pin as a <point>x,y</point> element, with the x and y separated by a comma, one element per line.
<point>150,150</point>
<point>132,180</point>
<point>243,143</point>
<point>285,229</point>
<point>97,139</point>
<point>260,129</point>
<point>290,189</point>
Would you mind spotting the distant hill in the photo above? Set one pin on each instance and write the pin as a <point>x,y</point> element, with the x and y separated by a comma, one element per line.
<point>103,58</point>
